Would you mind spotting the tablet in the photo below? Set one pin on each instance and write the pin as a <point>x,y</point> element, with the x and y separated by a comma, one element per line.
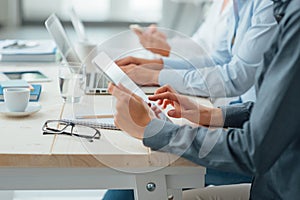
<point>116,75</point>
<point>29,76</point>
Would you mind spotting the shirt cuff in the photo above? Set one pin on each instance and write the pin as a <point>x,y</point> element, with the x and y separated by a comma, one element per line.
<point>158,134</point>
<point>171,63</point>
<point>235,116</point>
<point>171,77</point>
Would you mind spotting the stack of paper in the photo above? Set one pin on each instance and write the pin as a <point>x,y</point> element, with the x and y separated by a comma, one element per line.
<point>28,50</point>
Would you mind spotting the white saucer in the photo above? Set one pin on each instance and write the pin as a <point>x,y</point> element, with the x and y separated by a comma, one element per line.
<point>32,107</point>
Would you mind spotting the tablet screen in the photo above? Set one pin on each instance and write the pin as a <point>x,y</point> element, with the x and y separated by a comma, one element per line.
<point>29,76</point>
<point>116,75</point>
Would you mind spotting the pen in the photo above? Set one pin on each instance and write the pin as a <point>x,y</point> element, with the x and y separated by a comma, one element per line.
<point>93,116</point>
<point>31,88</point>
<point>20,45</point>
<point>10,45</point>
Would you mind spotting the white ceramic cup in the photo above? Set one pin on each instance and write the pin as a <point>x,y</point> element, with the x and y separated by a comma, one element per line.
<point>16,99</point>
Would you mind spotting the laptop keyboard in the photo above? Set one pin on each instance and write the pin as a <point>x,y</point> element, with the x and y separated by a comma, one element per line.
<point>96,83</point>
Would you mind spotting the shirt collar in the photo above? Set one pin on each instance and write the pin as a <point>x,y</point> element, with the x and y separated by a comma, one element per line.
<point>280,8</point>
<point>240,3</point>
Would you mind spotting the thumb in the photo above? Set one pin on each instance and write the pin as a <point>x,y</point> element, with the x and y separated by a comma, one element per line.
<point>174,113</point>
<point>138,33</point>
<point>152,28</point>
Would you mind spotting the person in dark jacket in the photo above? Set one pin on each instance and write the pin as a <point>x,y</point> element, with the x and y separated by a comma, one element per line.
<point>262,139</point>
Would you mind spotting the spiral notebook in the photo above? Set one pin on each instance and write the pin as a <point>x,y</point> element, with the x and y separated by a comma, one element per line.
<point>96,123</point>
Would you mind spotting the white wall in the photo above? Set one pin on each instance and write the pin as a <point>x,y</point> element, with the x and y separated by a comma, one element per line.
<point>183,15</point>
<point>9,12</point>
<point>3,11</point>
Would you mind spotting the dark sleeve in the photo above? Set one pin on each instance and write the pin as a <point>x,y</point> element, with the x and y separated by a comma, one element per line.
<point>236,115</point>
<point>272,128</point>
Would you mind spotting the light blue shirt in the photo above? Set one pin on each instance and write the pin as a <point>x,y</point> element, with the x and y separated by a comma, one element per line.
<point>231,69</point>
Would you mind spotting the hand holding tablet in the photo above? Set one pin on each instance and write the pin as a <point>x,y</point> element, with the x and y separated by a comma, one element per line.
<point>113,72</point>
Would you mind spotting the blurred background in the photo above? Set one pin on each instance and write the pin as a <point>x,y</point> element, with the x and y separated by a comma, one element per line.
<point>24,19</point>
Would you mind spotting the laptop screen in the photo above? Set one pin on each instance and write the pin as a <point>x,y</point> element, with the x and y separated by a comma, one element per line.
<point>96,83</point>
<point>59,36</point>
<point>78,26</point>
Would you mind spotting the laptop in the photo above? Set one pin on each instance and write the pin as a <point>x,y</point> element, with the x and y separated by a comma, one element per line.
<point>96,83</point>
<point>78,26</point>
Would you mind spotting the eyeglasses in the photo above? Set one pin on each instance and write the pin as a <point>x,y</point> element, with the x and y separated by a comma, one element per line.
<point>68,128</point>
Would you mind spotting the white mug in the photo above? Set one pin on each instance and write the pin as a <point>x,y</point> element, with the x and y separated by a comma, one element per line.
<point>16,99</point>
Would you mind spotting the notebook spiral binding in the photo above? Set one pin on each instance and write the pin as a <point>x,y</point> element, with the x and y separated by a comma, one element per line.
<point>93,124</point>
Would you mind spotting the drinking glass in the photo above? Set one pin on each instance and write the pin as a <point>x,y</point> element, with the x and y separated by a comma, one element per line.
<point>72,81</point>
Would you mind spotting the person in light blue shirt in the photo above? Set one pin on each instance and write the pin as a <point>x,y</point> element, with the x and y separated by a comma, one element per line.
<point>229,71</point>
<point>208,34</point>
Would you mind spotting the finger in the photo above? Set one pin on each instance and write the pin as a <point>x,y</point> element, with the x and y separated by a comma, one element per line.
<point>138,32</point>
<point>165,88</point>
<point>166,103</point>
<point>161,90</point>
<point>128,68</point>
<point>155,109</point>
<point>153,66</point>
<point>111,87</point>
<point>174,113</point>
<point>126,90</point>
<point>119,93</point>
<point>160,102</point>
<point>124,69</point>
<point>122,61</point>
<point>125,61</point>
<point>165,95</point>
<point>152,28</point>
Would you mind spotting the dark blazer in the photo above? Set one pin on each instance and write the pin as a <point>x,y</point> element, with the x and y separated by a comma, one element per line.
<point>267,144</point>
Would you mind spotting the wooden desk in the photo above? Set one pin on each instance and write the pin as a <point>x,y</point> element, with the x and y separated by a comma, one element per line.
<point>29,160</point>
